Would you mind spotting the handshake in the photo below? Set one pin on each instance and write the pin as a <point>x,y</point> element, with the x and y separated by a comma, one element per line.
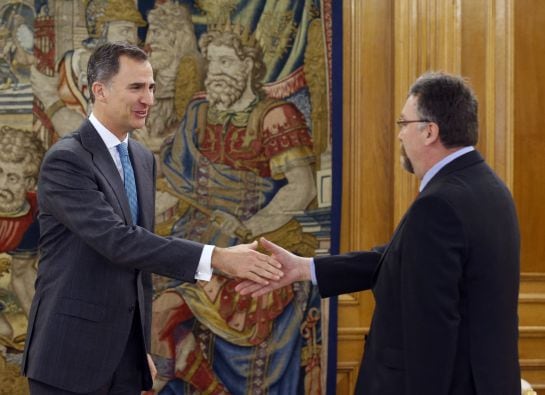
<point>261,273</point>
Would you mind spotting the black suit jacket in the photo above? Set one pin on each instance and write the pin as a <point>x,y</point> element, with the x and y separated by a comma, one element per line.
<point>446,290</point>
<point>95,264</point>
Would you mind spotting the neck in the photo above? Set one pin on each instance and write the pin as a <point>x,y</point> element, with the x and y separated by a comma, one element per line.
<point>243,103</point>
<point>99,114</point>
<point>435,156</point>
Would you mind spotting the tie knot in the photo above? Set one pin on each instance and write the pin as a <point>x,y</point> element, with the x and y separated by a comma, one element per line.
<point>122,149</point>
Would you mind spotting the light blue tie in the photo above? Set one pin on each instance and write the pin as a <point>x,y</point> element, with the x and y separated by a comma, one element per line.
<point>130,184</point>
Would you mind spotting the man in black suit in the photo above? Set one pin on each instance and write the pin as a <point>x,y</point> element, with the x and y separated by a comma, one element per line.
<point>89,324</point>
<point>446,285</point>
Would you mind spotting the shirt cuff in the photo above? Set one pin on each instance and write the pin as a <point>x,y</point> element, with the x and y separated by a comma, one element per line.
<point>313,272</point>
<point>204,270</point>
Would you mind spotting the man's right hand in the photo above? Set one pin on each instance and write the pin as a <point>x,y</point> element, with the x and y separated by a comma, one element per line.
<point>295,268</point>
<point>243,261</point>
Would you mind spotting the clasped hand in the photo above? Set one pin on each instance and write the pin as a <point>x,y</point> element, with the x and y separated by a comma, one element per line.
<point>243,261</point>
<point>295,268</point>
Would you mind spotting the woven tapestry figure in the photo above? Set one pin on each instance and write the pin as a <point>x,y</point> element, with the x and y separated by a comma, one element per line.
<point>241,166</point>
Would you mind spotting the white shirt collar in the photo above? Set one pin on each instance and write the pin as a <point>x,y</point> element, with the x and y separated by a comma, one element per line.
<point>442,163</point>
<point>108,137</point>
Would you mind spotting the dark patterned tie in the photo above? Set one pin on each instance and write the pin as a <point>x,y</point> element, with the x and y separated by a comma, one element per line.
<point>130,184</point>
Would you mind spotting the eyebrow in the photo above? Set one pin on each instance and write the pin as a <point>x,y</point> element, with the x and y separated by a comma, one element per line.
<point>140,85</point>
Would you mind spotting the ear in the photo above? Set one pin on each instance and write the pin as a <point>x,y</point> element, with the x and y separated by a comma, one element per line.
<point>431,133</point>
<point>249,64</point>
<point>30,183</point>
<point>99,91</point>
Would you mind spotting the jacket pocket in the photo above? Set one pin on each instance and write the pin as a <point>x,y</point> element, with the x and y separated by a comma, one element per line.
<point>81,309</point>
<point>392,358</point>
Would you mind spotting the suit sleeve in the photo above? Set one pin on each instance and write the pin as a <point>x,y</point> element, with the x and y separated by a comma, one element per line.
<point>69,192</point>
<point>346,273</point>
<point>433,251</point>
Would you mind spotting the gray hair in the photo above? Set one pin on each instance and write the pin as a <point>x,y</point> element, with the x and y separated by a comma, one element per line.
<point>449,101</point>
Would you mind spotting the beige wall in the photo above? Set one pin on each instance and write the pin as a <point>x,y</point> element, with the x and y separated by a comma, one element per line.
<point>500,46</point>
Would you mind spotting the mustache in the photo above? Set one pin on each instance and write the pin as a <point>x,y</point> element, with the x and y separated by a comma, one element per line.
<point>227,78</point>
<point>6,195</point>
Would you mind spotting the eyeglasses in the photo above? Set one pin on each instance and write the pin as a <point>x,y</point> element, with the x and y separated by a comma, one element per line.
<point>402,123</point>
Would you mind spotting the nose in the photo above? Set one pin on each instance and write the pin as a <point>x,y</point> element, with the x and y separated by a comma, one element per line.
<point>213,67</point>
<point>148,98</point>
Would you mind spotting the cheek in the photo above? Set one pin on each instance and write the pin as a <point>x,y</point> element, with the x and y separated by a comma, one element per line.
<point>19,190</point>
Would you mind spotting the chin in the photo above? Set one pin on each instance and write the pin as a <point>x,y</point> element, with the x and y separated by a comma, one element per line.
<point>138,125</point>
<point>138,122</point>
<point>11,207</point>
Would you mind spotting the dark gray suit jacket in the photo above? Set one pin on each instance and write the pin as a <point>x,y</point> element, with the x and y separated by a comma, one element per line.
<point>95,265</point>
<point>446,290</point>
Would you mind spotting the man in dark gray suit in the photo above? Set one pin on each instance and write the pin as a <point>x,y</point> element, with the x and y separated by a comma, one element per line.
<point>446,285</point>
<point>89,328</point>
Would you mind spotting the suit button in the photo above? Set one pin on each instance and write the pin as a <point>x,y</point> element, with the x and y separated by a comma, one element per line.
<point>131,309</point>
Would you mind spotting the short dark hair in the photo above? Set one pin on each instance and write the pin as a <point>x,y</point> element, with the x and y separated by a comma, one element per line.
<point>104,62</point>
<point>449,101</point>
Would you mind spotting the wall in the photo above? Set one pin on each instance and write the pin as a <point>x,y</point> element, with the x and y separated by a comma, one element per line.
<point>500,46</point>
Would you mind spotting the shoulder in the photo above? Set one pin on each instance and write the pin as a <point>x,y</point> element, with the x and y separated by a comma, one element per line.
<point>197,102</point>
<point>139,148</point>
<point>69,148</point>
<point>141,151</point>
<point>278,116</point>
<point>272,108</point>
<point>71,143</point>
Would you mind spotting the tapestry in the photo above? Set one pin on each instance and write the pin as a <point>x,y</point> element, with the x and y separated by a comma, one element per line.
<point>241,131</point>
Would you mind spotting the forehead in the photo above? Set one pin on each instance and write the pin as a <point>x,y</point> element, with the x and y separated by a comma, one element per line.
<point>217,51</point>
<point>134,70</point>
<point>122,24</point>
<point>410,108</point>
<point>10,167</point>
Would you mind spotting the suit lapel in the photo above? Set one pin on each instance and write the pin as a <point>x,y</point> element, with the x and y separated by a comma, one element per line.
<point>102,159</point>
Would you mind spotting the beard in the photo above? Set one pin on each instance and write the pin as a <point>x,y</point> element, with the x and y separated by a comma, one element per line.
<point>160,57</point>
<point>405,161</point>
<point>223,89</point>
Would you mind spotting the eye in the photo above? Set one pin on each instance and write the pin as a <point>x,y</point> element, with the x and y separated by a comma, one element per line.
<point>13,178</point>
